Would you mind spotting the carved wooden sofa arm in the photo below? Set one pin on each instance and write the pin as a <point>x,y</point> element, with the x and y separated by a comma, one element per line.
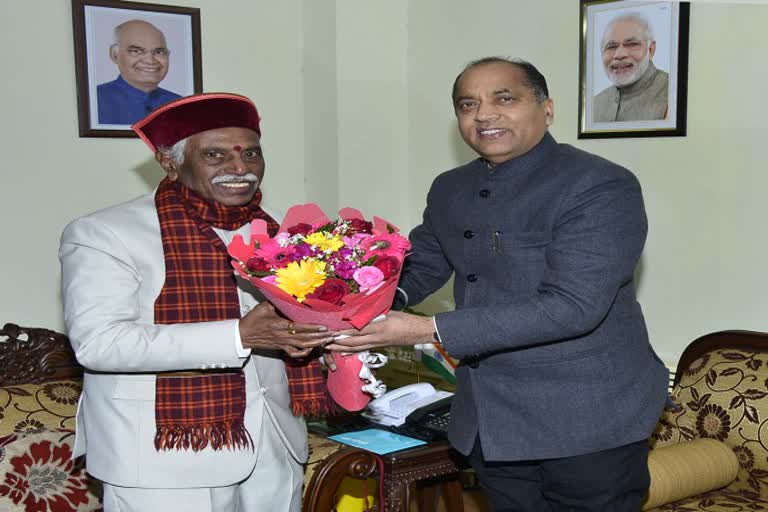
<point>320,493</point>
<point>33,356</point>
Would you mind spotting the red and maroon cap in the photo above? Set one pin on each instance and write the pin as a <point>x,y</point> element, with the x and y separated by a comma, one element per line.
<point>177,120</point>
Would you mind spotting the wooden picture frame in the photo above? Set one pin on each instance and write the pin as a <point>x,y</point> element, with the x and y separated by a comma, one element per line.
<point>633,68</point>
<point>130,58</point>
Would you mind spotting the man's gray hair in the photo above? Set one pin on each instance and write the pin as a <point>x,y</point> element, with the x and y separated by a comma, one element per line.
<point>175,152</point>
<point>120,27</point>
<point>638,18</point>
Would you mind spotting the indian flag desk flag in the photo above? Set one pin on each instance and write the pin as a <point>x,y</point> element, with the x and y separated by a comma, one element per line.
<point>436,359</point>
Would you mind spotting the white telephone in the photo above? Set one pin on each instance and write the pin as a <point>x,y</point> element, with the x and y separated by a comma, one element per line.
<point>392,408</point>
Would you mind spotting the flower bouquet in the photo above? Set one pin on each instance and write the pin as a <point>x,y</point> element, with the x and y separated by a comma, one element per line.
<point>339,273</point>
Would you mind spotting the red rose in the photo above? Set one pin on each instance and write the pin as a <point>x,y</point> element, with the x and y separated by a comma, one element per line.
<point>301,228</point>
<point>389,265</point>
<point>257,264</point>
<point>333,290</point>
<point>358,226</point>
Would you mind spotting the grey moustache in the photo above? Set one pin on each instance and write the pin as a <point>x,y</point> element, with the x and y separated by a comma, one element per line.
<point>229,178</point>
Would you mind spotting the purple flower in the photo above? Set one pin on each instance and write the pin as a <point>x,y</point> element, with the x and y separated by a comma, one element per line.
<point>345,268</point>
<point>302,250</point>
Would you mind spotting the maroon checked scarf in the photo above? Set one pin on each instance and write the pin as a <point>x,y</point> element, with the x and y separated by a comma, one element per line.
<point>195,411</point>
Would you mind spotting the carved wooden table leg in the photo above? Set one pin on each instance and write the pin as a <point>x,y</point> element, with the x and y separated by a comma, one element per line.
<point>436,462</point>
<point>429,493</point>
<point>396,495</point>
<point>452,494</point>
<point>427,497</point>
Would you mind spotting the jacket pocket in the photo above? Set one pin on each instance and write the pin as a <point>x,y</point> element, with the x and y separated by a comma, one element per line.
<point>135,388</point>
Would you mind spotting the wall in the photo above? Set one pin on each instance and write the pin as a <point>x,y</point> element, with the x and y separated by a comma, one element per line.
<point>373,129</point>
<point>51,176</point>
<point>356,104</point>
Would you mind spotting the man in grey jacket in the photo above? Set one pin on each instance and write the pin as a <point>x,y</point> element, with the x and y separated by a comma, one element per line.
<point>558,386</point>
<point>640,91</point>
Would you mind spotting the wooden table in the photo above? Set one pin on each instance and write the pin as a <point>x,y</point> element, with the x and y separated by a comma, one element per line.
<point>425,469</point>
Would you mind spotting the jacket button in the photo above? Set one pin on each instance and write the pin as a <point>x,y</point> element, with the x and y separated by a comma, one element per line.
<point>472,278</point>
<point>469,234</point>
<point>485,193</point>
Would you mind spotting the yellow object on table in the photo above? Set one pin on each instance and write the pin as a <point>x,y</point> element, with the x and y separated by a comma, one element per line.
<point>356,495</point>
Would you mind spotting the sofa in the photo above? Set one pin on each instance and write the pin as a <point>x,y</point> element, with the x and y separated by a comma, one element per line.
<point>720,393</point>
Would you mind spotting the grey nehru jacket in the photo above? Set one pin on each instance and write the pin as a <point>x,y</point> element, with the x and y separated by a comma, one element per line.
<point>643,100</point>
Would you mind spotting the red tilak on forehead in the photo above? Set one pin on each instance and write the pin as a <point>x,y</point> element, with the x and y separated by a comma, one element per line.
<point>237,147</point>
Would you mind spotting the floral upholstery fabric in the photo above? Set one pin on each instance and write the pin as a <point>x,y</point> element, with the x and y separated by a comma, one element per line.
<point>29,411</point>
<point>37,474</point>
<point>319,448</point>
<point>29,408</point>
<point>724,395</point>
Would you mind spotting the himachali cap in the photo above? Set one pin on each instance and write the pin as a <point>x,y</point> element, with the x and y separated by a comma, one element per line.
<point>177,120</point>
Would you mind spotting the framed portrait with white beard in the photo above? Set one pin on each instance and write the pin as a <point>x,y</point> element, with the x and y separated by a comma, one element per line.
<point>633,68</point>
<point>130,59</point>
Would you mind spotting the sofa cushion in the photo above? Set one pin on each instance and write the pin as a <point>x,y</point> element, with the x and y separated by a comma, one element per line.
<point>37,474</point>
<point>27,408</point>
<point>689,469</point>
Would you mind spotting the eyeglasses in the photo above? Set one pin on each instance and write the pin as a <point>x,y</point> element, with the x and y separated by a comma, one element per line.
<point>138,51</point>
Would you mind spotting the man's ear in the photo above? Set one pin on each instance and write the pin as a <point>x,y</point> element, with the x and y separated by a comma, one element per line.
<point>168,165</point>
<point>113,53</point>
<point>549,111</point>
<point>652,49</point>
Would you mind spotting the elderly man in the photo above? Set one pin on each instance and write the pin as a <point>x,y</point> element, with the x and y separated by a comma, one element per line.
<point>187,406</point>
<point>558,388</point>
<point>640,91</point>
<point>142,57</point>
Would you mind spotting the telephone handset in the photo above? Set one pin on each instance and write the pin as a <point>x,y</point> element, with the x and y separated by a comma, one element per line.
<point>410,408</point>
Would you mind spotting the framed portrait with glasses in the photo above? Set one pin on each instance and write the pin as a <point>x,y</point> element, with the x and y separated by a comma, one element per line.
<point>131,58</point>
<point>633,68</point>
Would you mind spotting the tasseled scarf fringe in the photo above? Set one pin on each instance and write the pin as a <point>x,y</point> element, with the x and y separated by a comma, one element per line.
<point>230,435</point>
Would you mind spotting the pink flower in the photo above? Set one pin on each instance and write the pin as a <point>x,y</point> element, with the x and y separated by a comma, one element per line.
<point>274,254</point>
<point>369,278</point>
<point>270,280</point>
<point>390,244</point>
<point>354,240</point>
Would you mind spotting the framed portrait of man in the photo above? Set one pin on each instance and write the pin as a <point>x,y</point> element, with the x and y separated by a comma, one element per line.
<point>131,58</point>
<point>633,69</point>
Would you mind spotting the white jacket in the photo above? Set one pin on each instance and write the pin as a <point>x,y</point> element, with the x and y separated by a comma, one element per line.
<point>113,269</point>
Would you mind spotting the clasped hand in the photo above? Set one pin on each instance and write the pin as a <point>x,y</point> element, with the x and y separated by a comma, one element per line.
<point>262,327</point>
<point>397,329</point>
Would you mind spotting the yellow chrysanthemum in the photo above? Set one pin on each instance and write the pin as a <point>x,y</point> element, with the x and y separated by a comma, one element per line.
<point>301,278</point>
<point>324,243</point>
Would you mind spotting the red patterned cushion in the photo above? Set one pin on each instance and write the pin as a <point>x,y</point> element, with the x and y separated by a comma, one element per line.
<point>37,474</point>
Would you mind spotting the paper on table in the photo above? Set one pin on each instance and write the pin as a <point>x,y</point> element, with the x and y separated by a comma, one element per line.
<point>377,441</point>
